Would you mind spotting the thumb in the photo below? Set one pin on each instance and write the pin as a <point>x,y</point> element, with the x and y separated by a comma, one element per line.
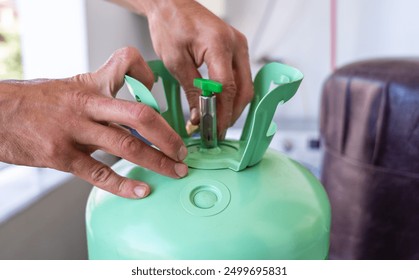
<point>124,61</point>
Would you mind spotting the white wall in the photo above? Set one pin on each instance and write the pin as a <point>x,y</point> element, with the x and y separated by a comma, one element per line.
<point>298,32</point>
<point>110,27</point>
<point>377,28</point>
<point>54,41</point>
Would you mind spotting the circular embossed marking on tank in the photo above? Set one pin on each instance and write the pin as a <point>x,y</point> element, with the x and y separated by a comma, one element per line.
<point>205,197</point>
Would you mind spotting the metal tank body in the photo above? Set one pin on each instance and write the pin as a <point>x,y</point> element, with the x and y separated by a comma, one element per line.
<point>240,200</point>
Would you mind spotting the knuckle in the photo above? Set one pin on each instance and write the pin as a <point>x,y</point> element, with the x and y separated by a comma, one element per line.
<point>127,53</point>
<point>81,99</point>
<point>163,163</point>
<point>192,93</point>
<point>72,165</point>
<point>144,114</point>
<point>174,62</point>
<point>230,88</point>
<point>223,34</point>
<point>101,174</point>
<point>119,187</point>
<point>248,97</point>
<point>223,47</point>
<point>241,39</point>
<point>129,144</point>
<point>148,79</point>
<point>173,140</point>
<point>85,79</point>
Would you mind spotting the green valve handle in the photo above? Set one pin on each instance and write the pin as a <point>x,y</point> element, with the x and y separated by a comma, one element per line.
<point>208,87</point>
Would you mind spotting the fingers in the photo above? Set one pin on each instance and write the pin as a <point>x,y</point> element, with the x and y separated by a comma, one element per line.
<point>105,178</point>
<point>118,142</point>
<point>220,69</point>
<point>144,119</point>
<point>124,61</point>
<point>185,71</point>
<point>243,78</point>
<point>231,67</point>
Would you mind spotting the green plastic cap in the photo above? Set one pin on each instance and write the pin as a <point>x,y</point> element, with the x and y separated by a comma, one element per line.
<point>208,87</point>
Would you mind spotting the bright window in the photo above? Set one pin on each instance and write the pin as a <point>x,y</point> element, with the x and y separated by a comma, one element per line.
<point>10,51</point>
<point>38,39</point>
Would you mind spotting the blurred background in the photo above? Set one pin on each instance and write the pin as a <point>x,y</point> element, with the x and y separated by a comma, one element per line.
<point>42,210</point>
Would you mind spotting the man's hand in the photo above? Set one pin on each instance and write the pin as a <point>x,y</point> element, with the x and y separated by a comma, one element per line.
<point>59,123</point>
<point>185,35</point>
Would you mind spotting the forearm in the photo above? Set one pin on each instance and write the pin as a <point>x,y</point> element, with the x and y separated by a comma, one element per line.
<point>10,94</point>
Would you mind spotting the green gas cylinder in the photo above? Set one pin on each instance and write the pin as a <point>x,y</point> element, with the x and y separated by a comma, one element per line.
<point>240,200</point>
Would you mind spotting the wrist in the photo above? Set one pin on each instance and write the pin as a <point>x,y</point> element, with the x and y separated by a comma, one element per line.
<point>151,7</point>
<point>9,100</point>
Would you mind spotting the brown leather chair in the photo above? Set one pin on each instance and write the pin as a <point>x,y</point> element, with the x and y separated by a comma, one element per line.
<point>370,133</point>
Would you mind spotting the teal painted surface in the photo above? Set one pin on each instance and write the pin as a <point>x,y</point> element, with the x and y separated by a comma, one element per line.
<point>276,210</point>
<point>240,200</point>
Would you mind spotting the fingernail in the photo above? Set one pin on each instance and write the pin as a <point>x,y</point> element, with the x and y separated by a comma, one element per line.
<point>140,191</point>
<point>194,116</point>
<point>182,153</point>
<point>181,169</point>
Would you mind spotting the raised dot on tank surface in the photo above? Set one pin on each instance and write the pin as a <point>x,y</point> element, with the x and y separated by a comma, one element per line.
<point>205,199</point>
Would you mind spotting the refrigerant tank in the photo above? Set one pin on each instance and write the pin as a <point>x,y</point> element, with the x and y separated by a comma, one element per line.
<point>240,200</point>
